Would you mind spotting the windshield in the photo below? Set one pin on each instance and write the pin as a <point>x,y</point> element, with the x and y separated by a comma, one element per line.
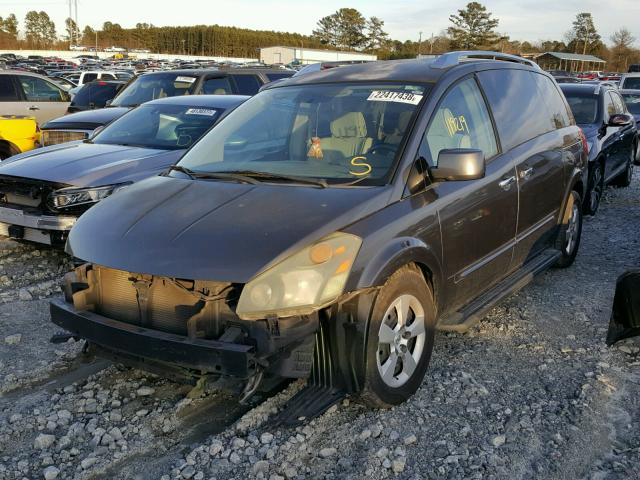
<point>631,83</point>
<point>337,133</point>
<point>167,127</point>
<point>157,85</point>
<point>633,102</point>
<point>584,108</point>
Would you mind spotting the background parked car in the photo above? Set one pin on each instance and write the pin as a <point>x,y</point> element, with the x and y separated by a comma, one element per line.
<point>94,95</point>
<point>32,95</point>
<point>63,181</point>
<point>632,100</point>
<point>630,81</point>
<point>17,134</point>
<point>611,135</point>
<point>161,84</point>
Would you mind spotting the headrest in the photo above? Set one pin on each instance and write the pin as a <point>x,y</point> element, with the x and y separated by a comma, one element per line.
<point>349,125</point>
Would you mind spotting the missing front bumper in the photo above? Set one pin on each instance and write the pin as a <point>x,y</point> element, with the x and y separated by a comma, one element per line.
<point>202,356</point>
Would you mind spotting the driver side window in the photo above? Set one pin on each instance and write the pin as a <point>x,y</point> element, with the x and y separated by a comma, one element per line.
<point>460,121</point>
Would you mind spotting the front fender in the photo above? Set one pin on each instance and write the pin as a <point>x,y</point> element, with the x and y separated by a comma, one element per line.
<point>397,253</point>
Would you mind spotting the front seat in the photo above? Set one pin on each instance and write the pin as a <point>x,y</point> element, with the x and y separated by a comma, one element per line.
<point>441,136</point>
<point>348,138</point>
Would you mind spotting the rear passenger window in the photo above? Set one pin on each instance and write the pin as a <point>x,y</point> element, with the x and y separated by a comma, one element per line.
<point>609,106</point>
<point>38,90</point>
<point>460,121</point>
<point>217,86</point>
<point>89,77</point>
<point>520,111</point>
<point>555,103</point>
<point>8,92</point>
<point>618,103</point>
<point>107,76</point>
<point>247,84</point>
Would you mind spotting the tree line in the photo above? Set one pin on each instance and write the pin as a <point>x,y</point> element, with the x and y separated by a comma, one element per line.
<point>471,28</point>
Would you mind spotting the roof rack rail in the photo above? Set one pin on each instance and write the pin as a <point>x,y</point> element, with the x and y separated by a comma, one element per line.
<point>451,59</point>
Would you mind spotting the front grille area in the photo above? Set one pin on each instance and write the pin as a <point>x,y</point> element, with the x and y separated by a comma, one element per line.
<point>28,195</point>
<point>197,309</point>
<point>54,137</point>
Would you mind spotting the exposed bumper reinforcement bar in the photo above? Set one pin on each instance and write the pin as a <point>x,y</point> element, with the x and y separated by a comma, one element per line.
<point>208,356</point>
<point>15,216</point>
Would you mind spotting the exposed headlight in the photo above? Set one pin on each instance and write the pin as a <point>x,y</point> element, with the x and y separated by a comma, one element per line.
<point>302,283</point>
<point>72,196</point>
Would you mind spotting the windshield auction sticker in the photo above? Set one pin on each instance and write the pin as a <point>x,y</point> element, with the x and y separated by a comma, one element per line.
<point>185,79</point>
<point>398,97</point>
<point>200,111</point>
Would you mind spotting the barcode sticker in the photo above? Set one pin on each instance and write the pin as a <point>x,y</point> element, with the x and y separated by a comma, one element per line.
<point>200,111</point>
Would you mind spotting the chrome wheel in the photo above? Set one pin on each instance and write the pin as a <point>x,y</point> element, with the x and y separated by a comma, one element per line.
<point>571,233</point>
<point>401,340</point>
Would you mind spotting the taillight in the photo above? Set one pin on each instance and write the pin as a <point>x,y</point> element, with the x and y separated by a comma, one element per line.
<point>585,144</point>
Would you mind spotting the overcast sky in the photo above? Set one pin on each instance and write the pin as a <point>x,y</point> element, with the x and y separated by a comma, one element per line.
<point>520,19</point>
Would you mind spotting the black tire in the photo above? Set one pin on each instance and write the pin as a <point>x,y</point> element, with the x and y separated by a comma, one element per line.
<point>5,151</point>
<point>623,180</point>
<point>571,224</point>
<point>406,283</point>
<point>595,187</point>
<point>636,156</point>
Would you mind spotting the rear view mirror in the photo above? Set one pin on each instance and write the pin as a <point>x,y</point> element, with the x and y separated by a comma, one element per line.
<point>459,164</point>
<point>625,315</point>
<point>620,120</point>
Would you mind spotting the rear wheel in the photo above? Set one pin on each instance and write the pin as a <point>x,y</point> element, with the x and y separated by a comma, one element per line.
<point>5,151</point>
<point>400,339</point>
<point>624,179</point>
<point>594,188</point>
<point>568,240</point>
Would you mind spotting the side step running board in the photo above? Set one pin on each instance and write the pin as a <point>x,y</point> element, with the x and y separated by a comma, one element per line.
<point>472,313</point>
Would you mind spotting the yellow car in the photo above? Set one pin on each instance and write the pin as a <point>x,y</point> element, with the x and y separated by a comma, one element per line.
<point>17,134</point>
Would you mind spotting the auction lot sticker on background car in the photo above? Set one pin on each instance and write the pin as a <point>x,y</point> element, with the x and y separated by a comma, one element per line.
<point>400,97</point>
<point>201,111</point>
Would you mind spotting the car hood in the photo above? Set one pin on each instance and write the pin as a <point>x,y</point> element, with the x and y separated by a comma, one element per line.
<point>89,164</point>
<point>213,230</point>
<point>88,119</point>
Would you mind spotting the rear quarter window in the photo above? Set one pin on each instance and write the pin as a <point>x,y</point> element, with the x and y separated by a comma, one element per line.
<point>558,109</point>
<point>247,84</point>
<point>520,111</point>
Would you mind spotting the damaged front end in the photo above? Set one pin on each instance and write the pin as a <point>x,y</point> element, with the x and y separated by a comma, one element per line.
<point>184,329</point>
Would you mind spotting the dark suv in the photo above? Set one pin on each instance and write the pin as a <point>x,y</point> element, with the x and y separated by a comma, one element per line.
<point>150,86</point>
<point>331,223</point>
<point>611,136</point>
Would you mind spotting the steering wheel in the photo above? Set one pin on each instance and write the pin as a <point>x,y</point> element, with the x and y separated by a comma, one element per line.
<point>383,148</point>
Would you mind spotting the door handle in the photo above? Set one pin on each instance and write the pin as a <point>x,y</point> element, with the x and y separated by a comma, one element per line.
<point>34,107</point>
<point>507,182</point>
<point>526,173</point>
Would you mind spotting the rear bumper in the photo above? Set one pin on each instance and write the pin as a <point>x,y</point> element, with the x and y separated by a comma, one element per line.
<point>210,356</point>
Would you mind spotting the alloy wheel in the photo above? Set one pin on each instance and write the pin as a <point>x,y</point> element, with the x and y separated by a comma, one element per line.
<point>401,340</point>
<point>571,233</point>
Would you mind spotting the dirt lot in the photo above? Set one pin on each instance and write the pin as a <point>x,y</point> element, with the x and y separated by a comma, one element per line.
<point>531,392</point>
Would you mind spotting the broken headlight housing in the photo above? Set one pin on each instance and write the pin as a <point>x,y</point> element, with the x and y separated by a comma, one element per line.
<point>302,283</point>
<point>72,196</point>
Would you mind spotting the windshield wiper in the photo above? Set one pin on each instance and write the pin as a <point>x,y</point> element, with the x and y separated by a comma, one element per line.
<point>279,176</point>
<point>214,175</point>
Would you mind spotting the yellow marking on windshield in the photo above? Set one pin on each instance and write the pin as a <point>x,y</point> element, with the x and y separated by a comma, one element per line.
<point>356,163</point>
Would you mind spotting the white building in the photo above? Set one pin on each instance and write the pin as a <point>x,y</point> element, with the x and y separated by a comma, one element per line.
<point>286,55</point>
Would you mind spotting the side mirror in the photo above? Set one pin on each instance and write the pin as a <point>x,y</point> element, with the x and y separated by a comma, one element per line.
<point>96,131</point>
<point>459,164</point>
<point>625,316</point>
<point>620,120</point>
<point>108,102</point>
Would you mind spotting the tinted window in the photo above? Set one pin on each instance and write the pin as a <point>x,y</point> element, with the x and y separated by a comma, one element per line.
<point>553,99</point>
<point>97,93</point>
<point>609,106</point>
<point>633,102</point>
<point>88,77</point>
<point>107,76</point>
<point>217,86</point>
<point>38,90</point>
<point>631,83</point>
<point>519,110</point>
<point>277,76</point>
<point>460,121</point>
<point>8,92</point>
<point>584,107</point>
<point>247,84</point>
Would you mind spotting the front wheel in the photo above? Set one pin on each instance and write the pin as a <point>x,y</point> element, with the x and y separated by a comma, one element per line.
<point>400,339</point>
<point>568,240</point>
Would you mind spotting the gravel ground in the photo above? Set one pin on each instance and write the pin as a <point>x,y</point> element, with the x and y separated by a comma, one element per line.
<point>531,392</point>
